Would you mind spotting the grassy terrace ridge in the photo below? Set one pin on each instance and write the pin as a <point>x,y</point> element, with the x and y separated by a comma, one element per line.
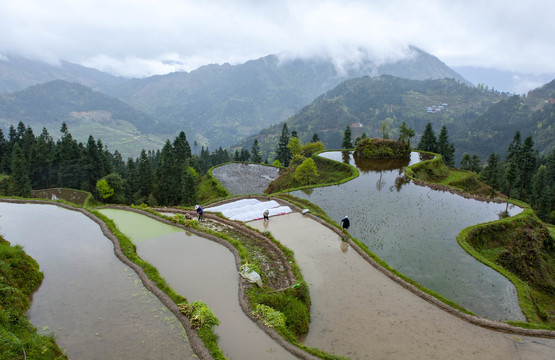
<point>19,277</point>
<point>521,247</point>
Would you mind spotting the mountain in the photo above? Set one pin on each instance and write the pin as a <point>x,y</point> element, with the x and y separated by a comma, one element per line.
<point>504,81</point>
<point>17,73</point>
<point>493,131</point>
<point>219,105</point>
<point>85,111</point>
<point>468,113</point>
<point>216,105</point>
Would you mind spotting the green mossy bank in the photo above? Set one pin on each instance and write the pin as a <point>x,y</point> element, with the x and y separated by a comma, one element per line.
<point>19,277</point>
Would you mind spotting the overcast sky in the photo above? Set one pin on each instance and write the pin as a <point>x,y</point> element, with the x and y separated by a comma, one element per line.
<point>146,37</point>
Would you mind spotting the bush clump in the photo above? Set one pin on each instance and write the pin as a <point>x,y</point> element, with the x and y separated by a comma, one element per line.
<point>381,149</point>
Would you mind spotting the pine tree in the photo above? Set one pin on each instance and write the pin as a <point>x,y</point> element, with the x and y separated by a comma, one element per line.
<point>92,164</point>
<point>446,149</point>
<point>347,142</point>
<point>255,151</point>
<point>428,142</point>
<point>315,138</point>
<point>168,174</point>
<point>282,151</point>
<point>21,185</point>
<point>189,187</point>
<point>527,164</point>
<point>144,176</point>
<point>41,158</point>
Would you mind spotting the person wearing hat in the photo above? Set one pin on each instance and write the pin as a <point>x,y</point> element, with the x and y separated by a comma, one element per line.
<point>345,223</point>
<point>200,212</point>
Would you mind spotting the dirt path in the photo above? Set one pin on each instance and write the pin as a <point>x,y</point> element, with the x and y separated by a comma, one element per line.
<point>360,313</point>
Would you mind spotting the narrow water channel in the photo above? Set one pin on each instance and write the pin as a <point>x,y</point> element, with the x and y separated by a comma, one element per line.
<point>200,269</point>
<point>95,306</point>
<point>414,229</point>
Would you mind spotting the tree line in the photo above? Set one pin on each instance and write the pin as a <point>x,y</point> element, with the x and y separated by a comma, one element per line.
<point>163,177</point>
<point>522,175</point>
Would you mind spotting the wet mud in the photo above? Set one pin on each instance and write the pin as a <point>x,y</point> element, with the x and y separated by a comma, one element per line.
<point>200,269</point>
<point>96,307</point>
<point>360,313</point>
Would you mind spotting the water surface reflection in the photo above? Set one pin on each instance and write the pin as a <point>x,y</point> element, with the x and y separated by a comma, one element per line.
<point>96,306</point>
<point>414,229</point>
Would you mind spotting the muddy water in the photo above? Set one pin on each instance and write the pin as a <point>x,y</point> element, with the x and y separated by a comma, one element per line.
<point>414,229</point>
<point>95,306</point>
<point>359,313</point>
<point>200,269</point>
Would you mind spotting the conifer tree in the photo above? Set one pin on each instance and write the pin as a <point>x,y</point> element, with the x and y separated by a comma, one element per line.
<point>445,148</point>
<point>315,138</point>
<point>168,174</point>
<point>527,164</point>
<point>428,142</point>
<point>144,176</point>
<point>282,151</point>
<point>21,185</point>
<point>347,142</point>
<point>255,151</point>
<point>41,157</point>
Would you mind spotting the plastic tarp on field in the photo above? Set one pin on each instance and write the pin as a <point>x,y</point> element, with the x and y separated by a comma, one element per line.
<point>249,209</point>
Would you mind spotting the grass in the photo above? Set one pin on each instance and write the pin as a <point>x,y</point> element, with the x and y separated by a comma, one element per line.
<point>330,172</point>
<point>19,277</point>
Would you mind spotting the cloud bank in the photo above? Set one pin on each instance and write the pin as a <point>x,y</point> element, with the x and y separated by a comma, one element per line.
<point>146,37</point>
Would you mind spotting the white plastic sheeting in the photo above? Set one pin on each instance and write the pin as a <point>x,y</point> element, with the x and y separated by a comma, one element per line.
<point>249,209</point>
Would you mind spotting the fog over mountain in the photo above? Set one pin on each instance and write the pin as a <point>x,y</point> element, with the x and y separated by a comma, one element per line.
<point>145,38</point>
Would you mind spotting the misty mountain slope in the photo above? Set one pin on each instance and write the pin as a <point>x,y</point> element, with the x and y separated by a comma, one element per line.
<point>478,122</point>
<point>17,73</point>
<point>493,131</point>
<point>86,112</point>
<point>221,104</point>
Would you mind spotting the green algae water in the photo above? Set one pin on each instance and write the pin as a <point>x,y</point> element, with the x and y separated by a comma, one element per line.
<point>200,269</point>
<point>94,305</point>
<point>414,229</point>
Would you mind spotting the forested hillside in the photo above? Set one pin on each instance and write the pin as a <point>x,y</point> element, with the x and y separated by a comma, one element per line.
<point>222,104</point>
<point>478,121</point>
<point>87,112</point>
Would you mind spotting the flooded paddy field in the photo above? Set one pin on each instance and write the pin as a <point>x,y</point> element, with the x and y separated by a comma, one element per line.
<point>200,269</point>
<point>359,313</point>
<point>94,305</point>
<point>414,229</point>
<point>244,179</point>
<point>70,195</point>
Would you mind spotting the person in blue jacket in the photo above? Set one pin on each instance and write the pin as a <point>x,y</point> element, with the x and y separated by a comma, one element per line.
<point>200,212</point>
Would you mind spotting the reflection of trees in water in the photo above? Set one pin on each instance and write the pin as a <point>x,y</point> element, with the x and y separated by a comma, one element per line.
<point>368,165</point>
<point>400,181</point>
<point>380,183</point>
<point>346,156</point>
<point>308,191</point>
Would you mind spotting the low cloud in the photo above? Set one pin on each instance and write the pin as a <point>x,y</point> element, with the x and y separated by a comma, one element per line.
<point>141,38</point>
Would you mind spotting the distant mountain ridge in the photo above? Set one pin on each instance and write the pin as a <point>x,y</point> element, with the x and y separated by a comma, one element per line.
<point>224,103</point>
<point>18,73</point>
<point>478,122</point>
<point>85,111</point>
<point>217,105</point>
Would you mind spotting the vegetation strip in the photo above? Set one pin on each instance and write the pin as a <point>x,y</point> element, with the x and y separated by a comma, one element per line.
<point>196,343</point>
<point>293,348</point>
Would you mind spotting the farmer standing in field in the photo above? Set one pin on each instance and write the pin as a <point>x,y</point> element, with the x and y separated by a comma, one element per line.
<point>200,212</point>
<point>345,223</point>
<point>266,215</point>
